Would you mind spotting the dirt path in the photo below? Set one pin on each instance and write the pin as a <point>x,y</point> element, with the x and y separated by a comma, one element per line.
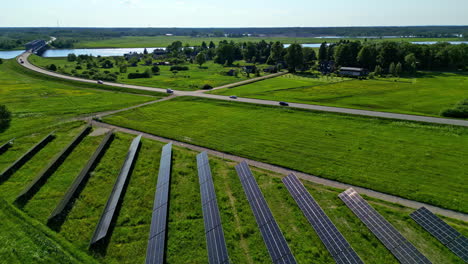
<point>305,176</point>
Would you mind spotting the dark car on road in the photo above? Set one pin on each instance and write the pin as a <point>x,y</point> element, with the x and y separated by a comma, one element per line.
<point>169,91</point>
<point>233,97</point>
<point>100,82</point>
<point>283,103</point>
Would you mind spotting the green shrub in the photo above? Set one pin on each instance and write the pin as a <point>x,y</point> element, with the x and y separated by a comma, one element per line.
<point>460,110</point>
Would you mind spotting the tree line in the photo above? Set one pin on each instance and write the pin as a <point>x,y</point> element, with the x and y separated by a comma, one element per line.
<point>388,56</point>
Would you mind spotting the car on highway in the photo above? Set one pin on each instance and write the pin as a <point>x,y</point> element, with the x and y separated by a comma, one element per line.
<point>283,103</point>
<point>169,91</point>
<point>100,82</point>
<point>233,97</point>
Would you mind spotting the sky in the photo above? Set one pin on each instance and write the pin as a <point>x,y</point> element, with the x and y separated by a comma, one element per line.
<point>238,13</point>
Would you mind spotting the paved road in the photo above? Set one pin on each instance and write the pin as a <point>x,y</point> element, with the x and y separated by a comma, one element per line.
<point>435,120</point>
<point>284,171</point>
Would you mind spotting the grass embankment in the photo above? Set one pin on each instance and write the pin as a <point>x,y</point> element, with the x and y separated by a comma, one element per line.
<point>186,241</point>
<point>193,79</point>
<point>417,161</point>
<point>37,101</point>
<point>427,94</point>
<point>164,41</point>
<point>24,240</point>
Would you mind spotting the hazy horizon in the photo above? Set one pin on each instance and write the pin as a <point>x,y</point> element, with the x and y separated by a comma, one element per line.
<point>215,14</point>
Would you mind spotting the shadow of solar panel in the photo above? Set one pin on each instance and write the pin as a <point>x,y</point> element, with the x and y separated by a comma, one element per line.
<point>34,186</point>
<point>25,157</point>
<point>5,146</point>
<point>331,237</point>
<point>446,234</point>
<point>155,252</point>
<point>401,248</point>
<point>105,221</point>
<point>216,244</point>
<point>272,236</point>
<point>79,179</point>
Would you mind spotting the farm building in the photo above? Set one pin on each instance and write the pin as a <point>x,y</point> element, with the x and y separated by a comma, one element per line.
<point>351,71</point>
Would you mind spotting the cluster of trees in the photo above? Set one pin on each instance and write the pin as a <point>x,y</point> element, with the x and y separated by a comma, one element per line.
<point>227,52</point>
<point>395,57</point>
<point>5,118</point>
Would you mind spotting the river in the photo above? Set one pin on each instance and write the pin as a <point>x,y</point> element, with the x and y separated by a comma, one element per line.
<point>121,51</point>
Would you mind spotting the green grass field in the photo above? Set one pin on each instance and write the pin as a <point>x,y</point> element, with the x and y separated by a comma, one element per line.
<point>428,94</point>
<point>413,160</point>
<point>164,41</point>
<point>37,102</point>
<point>211,73</point>
<point>186,241</point>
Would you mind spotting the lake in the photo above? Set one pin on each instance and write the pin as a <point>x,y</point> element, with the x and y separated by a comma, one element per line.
<point>122,51</point>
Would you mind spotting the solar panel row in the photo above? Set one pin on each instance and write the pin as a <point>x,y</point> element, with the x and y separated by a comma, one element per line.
<point>42,177</point>
<point>107,216</point>
<point>402,249</point>
<point>216,244</point>
<point>446,234</point>
<point>272,236</point>
<point>157,238</point>
<point>26,156</point>
<point>79,179</point>
<point>331,237</point>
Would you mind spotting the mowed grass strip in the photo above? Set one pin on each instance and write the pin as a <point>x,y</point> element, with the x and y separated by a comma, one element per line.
<point>417,161</point>
<point>37,102</point>
<point>427,94</point>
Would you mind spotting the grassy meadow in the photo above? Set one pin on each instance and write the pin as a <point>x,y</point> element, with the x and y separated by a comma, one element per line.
<point>164,41</point>
<point>427,94</point>
<point>38,102</point>
<point>194,79</point>
<point>186,241</point>
<point>417,161</point>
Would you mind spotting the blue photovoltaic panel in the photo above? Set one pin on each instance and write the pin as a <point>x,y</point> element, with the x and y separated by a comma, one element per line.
<point>272,236</point>
<point>216,244</point>
<point>401,248</point>
<point>446,234</point>
<point>112,203</point>
<point>333,240</point>
<point>157,237</point>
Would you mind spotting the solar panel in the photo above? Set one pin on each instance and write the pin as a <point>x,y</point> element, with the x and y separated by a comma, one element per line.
<point>34,186</point>
<point>272,236</point>
<point>331,237</point>
<point>401,248</point>
<point>446,234</point>
<point>26,156</point>
<point>112,203</point>
<point>59,210</point>
<point>157,237</point>
<point>216,244</point>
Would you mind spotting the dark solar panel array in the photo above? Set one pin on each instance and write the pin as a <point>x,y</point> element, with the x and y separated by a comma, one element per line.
<point>401,248</point>
<point>446,234</point>
<point>216,244</point>
<point>42,177</point>
<point>80,178</point>
<point>26,156</point>
<point>157,237</point>
<point>272,236</point>
<point>333,240</point>
<point>113,201</point>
